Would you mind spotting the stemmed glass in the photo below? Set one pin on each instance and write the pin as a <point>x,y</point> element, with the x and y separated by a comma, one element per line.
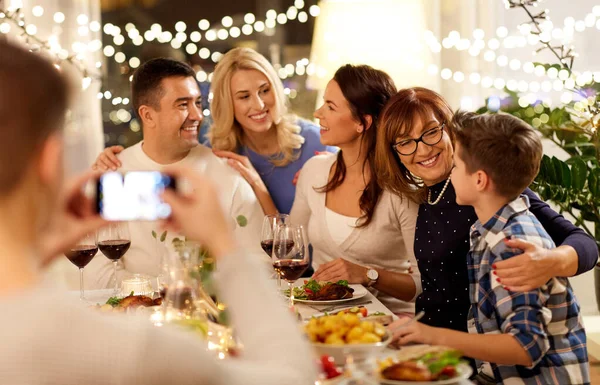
<point>270,223</point>
<point>114,241</point>
<point>81,254</point>
<point>290,254</point>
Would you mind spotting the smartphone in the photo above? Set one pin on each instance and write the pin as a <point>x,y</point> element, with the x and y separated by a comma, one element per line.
<point>133,196</point>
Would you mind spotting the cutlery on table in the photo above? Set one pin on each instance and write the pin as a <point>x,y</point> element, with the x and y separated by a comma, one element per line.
<point>417,317</point>
<point>339,307</point>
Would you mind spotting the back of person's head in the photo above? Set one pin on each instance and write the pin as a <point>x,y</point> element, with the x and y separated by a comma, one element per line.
<point>33,103</point>
<point>146,86</point>
<point>503,146</point>
<point>367,90</point>
<point>408,106</point>
<point>225,133</point>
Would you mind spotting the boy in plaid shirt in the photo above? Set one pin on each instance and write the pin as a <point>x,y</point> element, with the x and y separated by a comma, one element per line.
<point>533,337</point>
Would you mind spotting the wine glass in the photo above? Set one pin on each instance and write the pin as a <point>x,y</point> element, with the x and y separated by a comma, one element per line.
<point>81,254</point>
<point>290,254</point>
<point>114,241</point>
<point>270,223</point>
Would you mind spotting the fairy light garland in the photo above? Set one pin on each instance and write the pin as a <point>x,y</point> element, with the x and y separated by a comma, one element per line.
<point>60,56</point>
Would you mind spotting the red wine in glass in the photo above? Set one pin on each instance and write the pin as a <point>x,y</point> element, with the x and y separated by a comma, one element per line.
<point>114,249</point>
<point>290,269</point>
<point>267,246</point>
<point>114,241</point>
<point>81,255</point>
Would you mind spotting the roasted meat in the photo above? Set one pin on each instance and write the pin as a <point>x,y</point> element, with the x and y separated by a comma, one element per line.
<point>407,371</point>
<point>332,291</point>
<point>137,301</point>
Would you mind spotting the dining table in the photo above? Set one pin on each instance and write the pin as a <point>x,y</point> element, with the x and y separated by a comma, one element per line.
<point>305,311</point>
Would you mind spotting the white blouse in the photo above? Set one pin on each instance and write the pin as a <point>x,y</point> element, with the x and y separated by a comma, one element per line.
<point>340,226</point>
<point>386,243</point>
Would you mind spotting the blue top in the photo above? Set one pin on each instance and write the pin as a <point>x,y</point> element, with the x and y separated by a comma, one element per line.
<point>279,179</point>
<point>545,322</point>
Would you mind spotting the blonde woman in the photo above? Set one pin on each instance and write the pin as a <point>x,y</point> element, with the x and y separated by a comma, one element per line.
<point>253,129</point>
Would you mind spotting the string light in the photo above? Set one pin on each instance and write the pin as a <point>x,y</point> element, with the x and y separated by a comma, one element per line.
<point>51,46</point>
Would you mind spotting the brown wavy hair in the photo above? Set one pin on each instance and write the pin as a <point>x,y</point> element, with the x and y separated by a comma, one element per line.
<point>367,91</point>
<point>396,120</point>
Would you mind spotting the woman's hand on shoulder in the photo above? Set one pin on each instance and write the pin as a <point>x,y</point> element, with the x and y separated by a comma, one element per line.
<point>243,165</point>
<point>107,160</point>
<point>528,271</point>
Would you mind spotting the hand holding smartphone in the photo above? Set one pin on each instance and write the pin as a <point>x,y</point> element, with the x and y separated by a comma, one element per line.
<point>133,196</point>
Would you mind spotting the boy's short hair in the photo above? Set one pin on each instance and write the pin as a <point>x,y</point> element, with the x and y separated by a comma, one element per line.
<point>33,103</point>
<point>146,83</point>
<point>505,147</point>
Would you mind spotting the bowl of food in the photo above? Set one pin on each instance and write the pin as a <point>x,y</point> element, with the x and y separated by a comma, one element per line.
<point>424,365</point>
<point>346,334</point>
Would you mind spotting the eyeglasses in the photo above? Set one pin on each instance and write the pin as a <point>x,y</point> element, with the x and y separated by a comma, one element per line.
<point>430,137</point>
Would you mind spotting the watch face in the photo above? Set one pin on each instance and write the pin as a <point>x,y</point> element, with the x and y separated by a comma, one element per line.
<point>372,274</point>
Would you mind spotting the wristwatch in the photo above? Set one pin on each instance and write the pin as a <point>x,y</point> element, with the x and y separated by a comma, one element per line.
<point>372,276</point>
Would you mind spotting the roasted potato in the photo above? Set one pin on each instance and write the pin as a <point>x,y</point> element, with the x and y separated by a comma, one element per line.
<point>342,329</point>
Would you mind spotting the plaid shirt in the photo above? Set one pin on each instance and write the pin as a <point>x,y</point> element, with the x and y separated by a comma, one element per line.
<point>546,322</point>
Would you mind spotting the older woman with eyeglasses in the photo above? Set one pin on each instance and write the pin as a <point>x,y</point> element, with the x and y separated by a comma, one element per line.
<point>414,159</point>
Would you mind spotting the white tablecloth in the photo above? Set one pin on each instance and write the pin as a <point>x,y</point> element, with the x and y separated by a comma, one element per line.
<point>306,311</point>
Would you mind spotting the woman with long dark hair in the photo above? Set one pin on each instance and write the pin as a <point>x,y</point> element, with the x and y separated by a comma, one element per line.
<point>359,232</point>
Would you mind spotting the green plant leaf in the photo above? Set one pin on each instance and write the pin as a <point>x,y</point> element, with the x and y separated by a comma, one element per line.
<point>558,171</point>
<point>589,216</point>
<point>592,183</point>
<point>163,236</point>
<point>241,220</point>
<point>578,144</point>
<point>579,173</point>
<point>596,190</point>
<point>566,175</point>
<point>549,171</point>
<point>154,234</point>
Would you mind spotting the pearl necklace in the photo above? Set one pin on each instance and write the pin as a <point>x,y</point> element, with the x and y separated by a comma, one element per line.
<point>439,196</point>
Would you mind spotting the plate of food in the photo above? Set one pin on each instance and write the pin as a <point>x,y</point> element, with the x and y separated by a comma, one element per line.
<point>117,304</point>
<point>346,333</point>
<point>326,293</point>
<point>362,312</point>
<point>424,365</point>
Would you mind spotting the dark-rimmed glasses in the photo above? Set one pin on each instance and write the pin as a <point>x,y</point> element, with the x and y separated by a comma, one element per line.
<point>430,137</point>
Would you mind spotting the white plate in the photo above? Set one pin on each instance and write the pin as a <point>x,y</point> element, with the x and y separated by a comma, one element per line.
<point>359,292</point>
<point>464,372</point>
<point>358,351</point>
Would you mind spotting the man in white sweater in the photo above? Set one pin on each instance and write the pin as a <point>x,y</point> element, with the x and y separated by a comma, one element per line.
<point>167,99</point>
<point>46,339</point>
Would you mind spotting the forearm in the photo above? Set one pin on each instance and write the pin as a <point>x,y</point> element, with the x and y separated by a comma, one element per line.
<point>565,261</point>
<point>399,285</point>
<point>585,252</point>
<point>506,349</point>
<point>265,200</point>
<point>564,233</point>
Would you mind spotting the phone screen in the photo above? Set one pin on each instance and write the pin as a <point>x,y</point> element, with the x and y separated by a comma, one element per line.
<point>133,196</point>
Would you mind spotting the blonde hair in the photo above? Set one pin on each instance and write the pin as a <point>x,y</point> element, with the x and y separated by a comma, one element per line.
<point>225,133</point>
